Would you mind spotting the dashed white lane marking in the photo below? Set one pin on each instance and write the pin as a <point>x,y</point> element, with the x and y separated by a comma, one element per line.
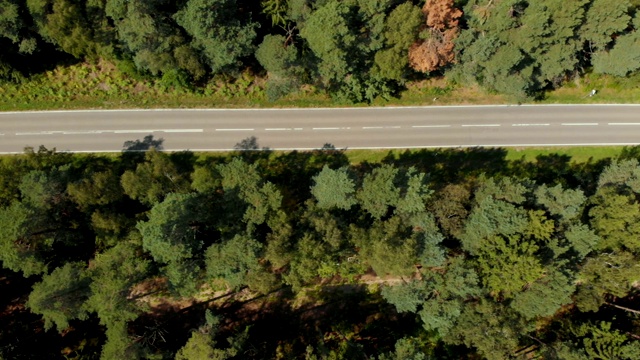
<point>132,131</point>
<point>530,124</point>
<point>332,128</point>
<point>35,133</point>
<point>431,126</point>
<point>235,129</point>
<point>579,124</point>
<point>379,127</point>
<point>94,132</point>
<point>481,125</point>
<point>283,129</point>
<point>622,124</point>
<point>184,131</point>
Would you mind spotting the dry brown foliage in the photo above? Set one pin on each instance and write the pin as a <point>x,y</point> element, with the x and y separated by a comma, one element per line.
<point>442,26</point>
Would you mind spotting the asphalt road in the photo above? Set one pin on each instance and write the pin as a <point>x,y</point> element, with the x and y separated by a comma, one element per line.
<point>413,127</point>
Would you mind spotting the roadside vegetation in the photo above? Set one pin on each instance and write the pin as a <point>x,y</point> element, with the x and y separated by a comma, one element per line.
<point>443,253</point>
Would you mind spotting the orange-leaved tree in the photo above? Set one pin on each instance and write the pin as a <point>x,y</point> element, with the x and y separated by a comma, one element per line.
<point>436,48</point>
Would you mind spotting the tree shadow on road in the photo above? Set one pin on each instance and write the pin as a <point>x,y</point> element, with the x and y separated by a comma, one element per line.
<point>133,150</point>
<point>143,145</point>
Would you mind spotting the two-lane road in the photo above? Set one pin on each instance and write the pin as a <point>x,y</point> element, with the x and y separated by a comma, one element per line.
<point>413,127</point>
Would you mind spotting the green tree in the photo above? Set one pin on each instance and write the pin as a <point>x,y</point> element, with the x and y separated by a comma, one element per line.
<point>620,175</point>
<point>438,297</point>
<point>507,264</point>
<point>306,258</point>
<point>565,203</point>
<point>100,188</point>
<point>604,20</point>
<point>10,21</point>
<point>119,344</point>
<point>407,297</point>
<point>44,227</point>
<point>61,295</point>
<point>330,38</point>
<point>344,37</point>
<point>507,189</point>
<point>545,296</point>
<point>217,32</point>
<point>276,10</point>
<point>113,273</point>
<point>201,344</point>
<point>147,34</point>
<point>334,188</point>
<point>490,328</point>
<point>390,247</point>
<point>615,218</point>
<point>45,190</point>
<point>490,217</point>
<point>448,293</point>
<point>406,349</point>
<point>20,247</point>
<point>624,56</point>
<point>14,28</point>
<point>154,178</point>
<point>170,234</point>
<point>602,342</point>
<point>520,48</point>
<point>245,190</point>
<point>582,239</point>
<point>276,56</point>
<point>450,207</point>
<point>379,191</point>
<point>63,23</point>
<point>279,56</point>
<point>400,31</point>
<point>233,260</point>
<point>605,274</point>
<point>172,237</point>
<point>205,179</point>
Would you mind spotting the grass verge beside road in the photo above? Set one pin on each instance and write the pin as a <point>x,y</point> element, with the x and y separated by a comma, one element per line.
<point>578,154</point>
<point>102,85</point>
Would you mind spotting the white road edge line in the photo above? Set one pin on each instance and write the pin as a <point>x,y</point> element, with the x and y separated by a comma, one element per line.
<point>579,124</point>
<point>97,132</point>
<point>133,131</point>
<point>323,109</point>
<point>33,134</point>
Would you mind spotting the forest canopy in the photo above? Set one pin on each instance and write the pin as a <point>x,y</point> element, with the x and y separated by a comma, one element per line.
<point>444,253</point>
<point>355,50</point>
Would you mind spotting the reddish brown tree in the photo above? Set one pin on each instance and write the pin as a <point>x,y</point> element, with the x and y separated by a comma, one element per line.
<point>436,49</point>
